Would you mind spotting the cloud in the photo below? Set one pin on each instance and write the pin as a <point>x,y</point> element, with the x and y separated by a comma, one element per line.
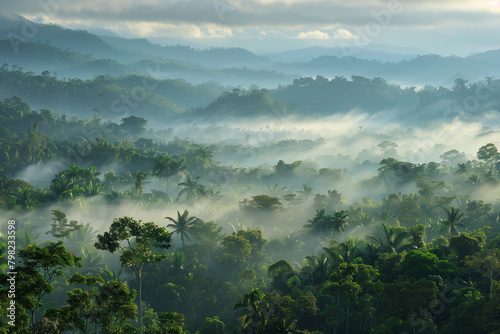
<point>251,13</point>
<point>316,34</point>
<point>344,34</point>
<point>420,22</point>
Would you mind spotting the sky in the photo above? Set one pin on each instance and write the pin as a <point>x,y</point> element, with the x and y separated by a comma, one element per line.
<point>459,27</point>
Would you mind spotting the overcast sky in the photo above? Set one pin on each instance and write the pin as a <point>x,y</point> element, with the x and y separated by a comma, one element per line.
<point>440,26</point>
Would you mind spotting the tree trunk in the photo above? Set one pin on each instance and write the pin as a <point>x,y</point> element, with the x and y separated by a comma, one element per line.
<point>140,301</point>
<point>167,184</point>
<point>366,319</point>
<point>33,321</point>
<point>347,321</point>
<point>491,285</point>
<point>412,320</point>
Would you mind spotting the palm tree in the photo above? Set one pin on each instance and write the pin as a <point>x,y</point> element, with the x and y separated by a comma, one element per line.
<point>161,168</point>
<point>257,319</point>
<point>474,179</point>
<point>62,187</point>
<point>393,241</point>
<point>462,169</point>
<point>204,154</point>
<point>451,222</point>
<point>176,166</point>
<point>350,249</point>
<point>27,236</point>
<point>320,221</point>
<point>199,155</point>
<point>191,188</point>
<point>306,191</point>
<point>338,222</point>
<point>275,191</point>
<point>89,175</point>
<point>84,236</point>
<point>26,198</point>
<point>182,224</point>
<point>317,269</point>
<point>92,262</point>
<point>108,275</point>
<point>386,216</point>
<point>73,173</point>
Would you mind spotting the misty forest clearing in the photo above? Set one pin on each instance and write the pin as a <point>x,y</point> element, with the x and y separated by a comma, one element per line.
<point>169,189</point>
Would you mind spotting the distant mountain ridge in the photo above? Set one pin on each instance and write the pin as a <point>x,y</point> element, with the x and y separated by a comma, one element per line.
<point>101,55</point>
<point>376,52</point>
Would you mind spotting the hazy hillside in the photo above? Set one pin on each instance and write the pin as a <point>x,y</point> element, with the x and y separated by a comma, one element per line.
<point>421,70</point>
<point>231,66</point>
<point>212,57</point>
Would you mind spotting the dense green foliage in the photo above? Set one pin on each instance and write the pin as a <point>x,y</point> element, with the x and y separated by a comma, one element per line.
<point>424,260</point>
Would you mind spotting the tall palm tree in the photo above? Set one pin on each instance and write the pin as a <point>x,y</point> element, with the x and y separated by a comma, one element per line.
<point>191,188</point>
<point>161,167</point>
<point>338,222</point>
<point>199,156</point>
<point>182,224</point>
<point>204,154</point>
<point>451,222</point>
<point>176,166</point>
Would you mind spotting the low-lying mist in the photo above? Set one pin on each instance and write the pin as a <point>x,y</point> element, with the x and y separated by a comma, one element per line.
<point>344,139</point>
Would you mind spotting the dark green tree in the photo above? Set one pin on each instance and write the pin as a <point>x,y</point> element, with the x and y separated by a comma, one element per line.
<point>141,239</point>
<point>191,188</point>
<point>393,239</point>
<point>182,224</point>
<point>139,178</point>
<point>61,228</point>
<point>118,302</point>
<point>134,125</point>
<point>451,222</point>
<point>488,153</point>
<point>338,222</point>
<point>40,266</point>
<point>161,168</point>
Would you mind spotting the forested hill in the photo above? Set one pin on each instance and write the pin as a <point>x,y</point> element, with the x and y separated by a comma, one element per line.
<point>325,97</point>
<point>160,99</point>
<point>84,97</point>
<point>42,56</point>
